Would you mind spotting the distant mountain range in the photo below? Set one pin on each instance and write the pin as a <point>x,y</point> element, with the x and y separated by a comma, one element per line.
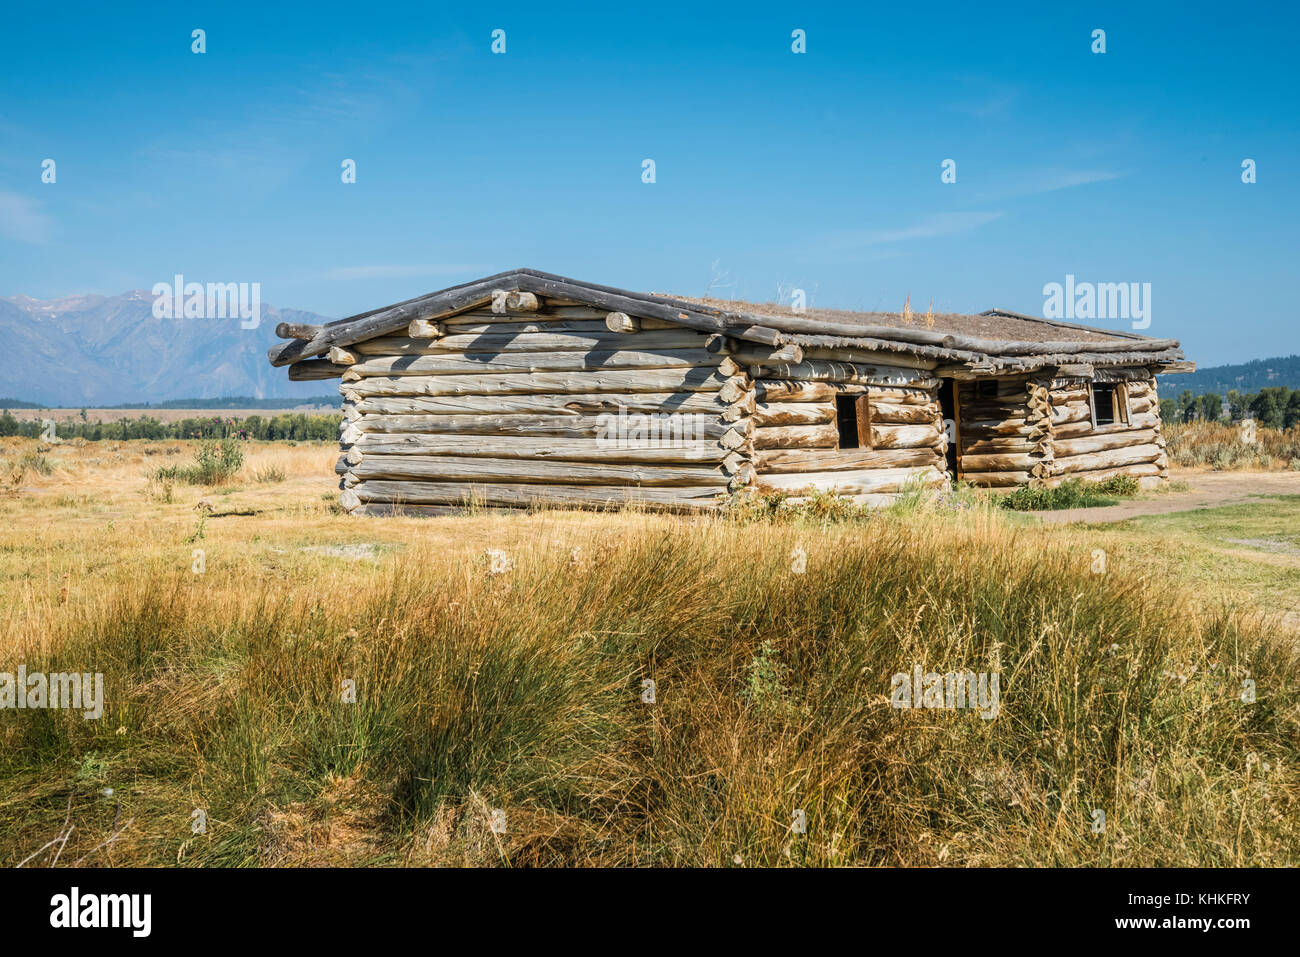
<point>98,351</point>
<point>1245,377</point>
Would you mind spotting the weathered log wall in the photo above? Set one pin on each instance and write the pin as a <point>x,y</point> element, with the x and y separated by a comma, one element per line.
<point>534,402</point>
<point>796,438</point>
<point>1135,447</point>
<point>1040,428</point>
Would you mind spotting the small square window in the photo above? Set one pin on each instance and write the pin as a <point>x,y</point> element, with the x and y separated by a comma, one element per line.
<point>1105,404</point>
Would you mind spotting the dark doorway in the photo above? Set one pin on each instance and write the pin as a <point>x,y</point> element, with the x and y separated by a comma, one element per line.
<point>948,407</point>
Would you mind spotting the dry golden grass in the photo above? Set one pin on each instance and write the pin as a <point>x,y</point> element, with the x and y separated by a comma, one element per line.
<point>1222,446</point>
<point>521,691</point>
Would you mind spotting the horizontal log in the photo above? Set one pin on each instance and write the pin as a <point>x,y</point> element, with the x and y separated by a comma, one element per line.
<point>569,404</point>
<point>797,437</point>
<point>988,428</point>
<point>585,449</point>
<point>702,424</point>
<point>311,369</point>
<point>754,333</point>
<point>344,357</point>
<point>895,413</point>
<point>563,315</point>
<point>1145,420</point>
<point>1121,374</point>
<point>905,436</point>
<point>995,479</point>
<point>1100,443</point>
<point>821,370</point>
<point>794,413</point>
<point>530,342</point>
<point>528,362</point>
<point>754,355</point>
<point>1000,462</point>
<point>1112,458</point>
<point>870,357</point>
<point>788,390</point>
<point>1000,444</point>
<point>698,379</point>
<point>855,483</point>
<point>500,494</point>
<point>990,347</point>
<point>782,461</point>
<point>449,468</point>
<point>986,419</point>
<point>1070,413</point>
<point>1084,370</point>
<point>1068,396</point>
<point>1072,430</point>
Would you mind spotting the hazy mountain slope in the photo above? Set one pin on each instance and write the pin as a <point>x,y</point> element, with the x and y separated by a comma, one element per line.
<point>98,350</point>
<point>1245,377</point>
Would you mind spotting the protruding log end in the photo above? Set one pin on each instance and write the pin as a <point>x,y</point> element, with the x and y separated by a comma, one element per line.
<point>297,330</point>
<point>512,300</point>
<point>719,343</point>
<point>517,301</point>
<point>734,389</point>
<point>622,322</point>
<point>425,329</point>
<point>728,367</point>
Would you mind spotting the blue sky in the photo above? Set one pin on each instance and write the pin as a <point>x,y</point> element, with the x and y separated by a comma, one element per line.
<point>774,170</point>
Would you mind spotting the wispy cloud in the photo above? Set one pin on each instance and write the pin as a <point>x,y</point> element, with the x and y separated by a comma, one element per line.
<point>399,272</point>
<point>984,97</point>
<point>21,219</point>
<point>1048,180</point>
<point>931,226</point>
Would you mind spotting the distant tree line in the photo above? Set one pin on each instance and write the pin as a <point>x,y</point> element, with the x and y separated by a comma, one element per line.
<point>295,426</point>
<point>1274,407</point>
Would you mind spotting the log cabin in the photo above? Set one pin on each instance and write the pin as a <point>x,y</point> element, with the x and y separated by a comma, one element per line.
<point>529,388</point>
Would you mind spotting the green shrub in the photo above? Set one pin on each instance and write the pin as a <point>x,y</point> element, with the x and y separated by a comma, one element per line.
<point>1072,493</point>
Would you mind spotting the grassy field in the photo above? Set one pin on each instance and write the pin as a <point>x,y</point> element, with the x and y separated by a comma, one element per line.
<point>162,415</point>
<point>1221,446</point>
<point>498,664</point>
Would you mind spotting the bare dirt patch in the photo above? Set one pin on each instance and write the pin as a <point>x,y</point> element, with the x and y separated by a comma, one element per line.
<point>1208,489</point>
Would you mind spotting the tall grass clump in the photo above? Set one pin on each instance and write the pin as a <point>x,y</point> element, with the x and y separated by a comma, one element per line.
<point>215,463</point>
<point>668,693</point>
